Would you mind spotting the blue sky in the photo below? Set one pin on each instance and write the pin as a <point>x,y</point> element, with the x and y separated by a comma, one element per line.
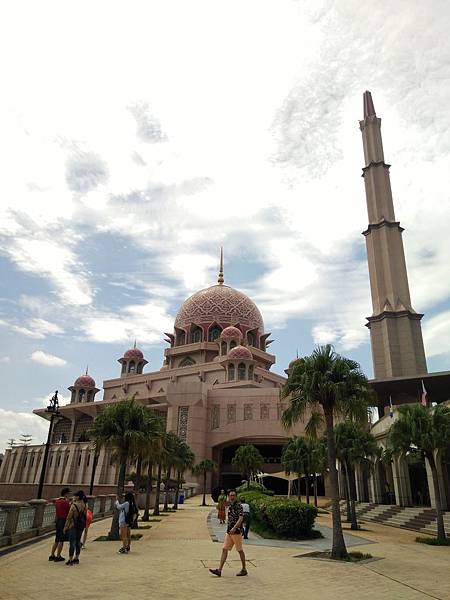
<point>138,138</point>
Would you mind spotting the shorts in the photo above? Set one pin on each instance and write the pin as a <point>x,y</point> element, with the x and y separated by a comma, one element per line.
<point>60,536</point>
<point>122,525</point>
<point>231,540</point>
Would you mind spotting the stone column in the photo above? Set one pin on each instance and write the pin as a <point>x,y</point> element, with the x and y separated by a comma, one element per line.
<point>402,484</point>
<point>12,508</point>
<point>39,506</point>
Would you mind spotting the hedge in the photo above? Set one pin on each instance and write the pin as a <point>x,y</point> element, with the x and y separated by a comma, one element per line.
<point>287,518</point>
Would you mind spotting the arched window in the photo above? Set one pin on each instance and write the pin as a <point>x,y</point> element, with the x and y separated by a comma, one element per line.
<point>214,334</point>
<point>241,371</point>
<point>250,339</point>
<point>81,395</point>
<point>231,372</point>
<point>131,367</point>
<point>250,372</point>
<point>124,367</point>
<point>196,335</point>
<point>187,362</point>
<point>224,348</point>
<point>139,368</point>
<point>181,338</point>
<point>232,344</point>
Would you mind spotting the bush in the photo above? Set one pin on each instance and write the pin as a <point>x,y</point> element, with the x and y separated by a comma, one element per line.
<point>433,541</point>
<point>254,487</point>
<point>287,518</point>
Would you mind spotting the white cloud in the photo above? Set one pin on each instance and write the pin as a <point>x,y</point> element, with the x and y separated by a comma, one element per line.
<point>49,360</point>
<point>13,424</point>
<point>5,359</point>
<point>436,334</point>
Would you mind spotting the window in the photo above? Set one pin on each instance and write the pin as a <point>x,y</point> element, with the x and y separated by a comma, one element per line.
<point>187,362</point>
<point>81,395</point>
<point>124,367</point>
<point>214,334</point>
<point>181,339</point>
<point>32,460</point>
<point>250,339</point>
<point>231,372</point>
<point>232,344</point>
<point>241,371</point>
<point>196,335</point>
<point>132,367</point>
<point>88,460</point>
<point>139,368</point>
<point>250,372</point>
<point>223,347</point>
<point>79,459</point>
<point>58,462</point>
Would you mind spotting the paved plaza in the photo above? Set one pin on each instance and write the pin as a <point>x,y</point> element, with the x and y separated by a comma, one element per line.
<point>171,561</point>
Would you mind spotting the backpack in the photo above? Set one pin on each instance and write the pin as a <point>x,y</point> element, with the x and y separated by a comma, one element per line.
<point>79,521</point>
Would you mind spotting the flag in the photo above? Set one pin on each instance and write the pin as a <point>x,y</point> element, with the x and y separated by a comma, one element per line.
<point>424,399</point>
<point>391,409</point>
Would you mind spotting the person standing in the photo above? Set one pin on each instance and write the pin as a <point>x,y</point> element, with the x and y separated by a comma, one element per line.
<point>233,536</point>
<point>127,511</point>
<point>75,525</point>
<point>221,504</point>
<point>62,507</point>
<point>89,516</point>
<point>247,518</point>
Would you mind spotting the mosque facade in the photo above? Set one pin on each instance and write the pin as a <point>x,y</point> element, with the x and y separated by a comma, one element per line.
<point>216,390</point>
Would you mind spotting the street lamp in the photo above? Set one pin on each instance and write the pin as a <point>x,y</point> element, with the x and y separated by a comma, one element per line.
<point>53,409</point>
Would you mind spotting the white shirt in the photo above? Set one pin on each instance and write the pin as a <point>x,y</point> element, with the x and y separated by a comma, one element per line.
<point>245,507</point>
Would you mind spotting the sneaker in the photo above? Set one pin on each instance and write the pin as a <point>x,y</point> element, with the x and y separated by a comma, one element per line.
<point>76,561</point>
<point>216,572</point>
<point>128,549</point>
<point>69,562</point>
<point>59,559</point>
<point>121,551</point>
<point>242,573</point>
<point>51,557</point>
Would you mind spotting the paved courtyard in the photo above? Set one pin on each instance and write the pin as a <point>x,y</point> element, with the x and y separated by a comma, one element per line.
<point>171,561</point>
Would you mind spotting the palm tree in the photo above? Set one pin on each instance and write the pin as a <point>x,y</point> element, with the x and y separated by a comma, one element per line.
<point>161,457</point>
<point>152,452</point>
<point>294,459</point>
<point>427,430</point>
<point>248,461</point>
<point>184,460</point>
<point>124,428</point>
<point>203,468</point>
<point>327,383</point>
<point>354,447</point>
<point>319,462</point>
<point>170,446</point>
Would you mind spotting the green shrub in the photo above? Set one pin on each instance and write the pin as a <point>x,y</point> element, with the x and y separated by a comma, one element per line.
<point>433,541</point>
<point>254,487</point>
<point>287,518</point>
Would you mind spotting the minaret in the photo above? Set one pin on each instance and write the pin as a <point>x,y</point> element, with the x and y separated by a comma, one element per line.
<point>220,279</point>
<point>395,330</point>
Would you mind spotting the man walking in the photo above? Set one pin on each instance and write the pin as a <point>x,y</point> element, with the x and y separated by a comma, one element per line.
<point>233,536</point>
<point>62,507</point>
<point>246,522</point>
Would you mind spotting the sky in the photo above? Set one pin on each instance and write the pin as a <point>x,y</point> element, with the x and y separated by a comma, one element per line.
<point>136,138</point>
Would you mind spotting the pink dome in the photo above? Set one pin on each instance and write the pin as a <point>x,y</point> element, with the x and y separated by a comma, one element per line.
<point>231,332</point>
<point>221,304</point>
<point>84,381</point>
<point>240,353</point>
<point>133,353</point>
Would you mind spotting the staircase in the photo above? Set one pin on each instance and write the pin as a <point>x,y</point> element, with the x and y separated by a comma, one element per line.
<point>420,519</point>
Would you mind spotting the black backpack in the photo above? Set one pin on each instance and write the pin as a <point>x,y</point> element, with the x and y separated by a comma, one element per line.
<point>131,514</point>
<point>79,520</point>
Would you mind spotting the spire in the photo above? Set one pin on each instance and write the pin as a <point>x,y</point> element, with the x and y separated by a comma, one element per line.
<point>369,109</point>
<point>134,343</point>
<point>87,369</point>
<point>220,279</point>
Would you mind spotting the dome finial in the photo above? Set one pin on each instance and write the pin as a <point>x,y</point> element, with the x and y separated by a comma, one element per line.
<point>220,279</point>
<point>134,343</point>
<point>87,369</point>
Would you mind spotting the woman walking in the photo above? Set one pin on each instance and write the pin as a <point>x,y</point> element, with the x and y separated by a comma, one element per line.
<point>75,525</point>
<point>221,504</point>
<point>127,511</point>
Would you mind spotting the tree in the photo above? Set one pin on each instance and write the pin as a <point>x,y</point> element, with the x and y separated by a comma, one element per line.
<point>248,461</point>
<point>168,458</point>
<point>294,459</point>
<point>427,430</point>
<point>354,447</point>
<point>319,462</point>
<point>203,468</point>
<point>125,428</point>
<point>152,452</point>
<point>329,384</point>
<point>184,459</point>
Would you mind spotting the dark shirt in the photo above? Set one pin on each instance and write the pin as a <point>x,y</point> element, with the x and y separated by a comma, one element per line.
<point>62,506</point>
<point>235,512</point>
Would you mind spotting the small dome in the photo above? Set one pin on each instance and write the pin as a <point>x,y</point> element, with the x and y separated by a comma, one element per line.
<point>231,332</point>
<point>240,353</point>
<point>292,363</point>
<point>84,381</point>
<point>133,353</point>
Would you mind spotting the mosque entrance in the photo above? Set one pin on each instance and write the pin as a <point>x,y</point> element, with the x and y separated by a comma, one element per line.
<point>418,479</point>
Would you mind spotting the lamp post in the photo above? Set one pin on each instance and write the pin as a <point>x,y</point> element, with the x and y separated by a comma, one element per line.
<point>53,409</point>
<point>94,467</point>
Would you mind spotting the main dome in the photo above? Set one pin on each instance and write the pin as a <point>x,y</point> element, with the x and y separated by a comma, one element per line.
<point>221,304</point>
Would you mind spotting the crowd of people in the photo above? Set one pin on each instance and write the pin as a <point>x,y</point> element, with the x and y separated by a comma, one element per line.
<point>73,518</point>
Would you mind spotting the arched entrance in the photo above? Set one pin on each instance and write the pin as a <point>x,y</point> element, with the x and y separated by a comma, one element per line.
<point>418,480</point>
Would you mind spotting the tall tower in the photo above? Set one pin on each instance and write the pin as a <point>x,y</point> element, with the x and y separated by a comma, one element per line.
<point>395,330</point>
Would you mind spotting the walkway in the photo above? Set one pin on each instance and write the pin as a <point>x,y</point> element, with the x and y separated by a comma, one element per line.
<point>172,558</point>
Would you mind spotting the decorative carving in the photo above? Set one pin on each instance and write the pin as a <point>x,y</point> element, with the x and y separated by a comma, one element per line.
<point>183,417</point>
<point>215,416</point>
<point>220,304</point>
<point>231,413</point>
<point>248,412</point>
<point>264,412</point>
